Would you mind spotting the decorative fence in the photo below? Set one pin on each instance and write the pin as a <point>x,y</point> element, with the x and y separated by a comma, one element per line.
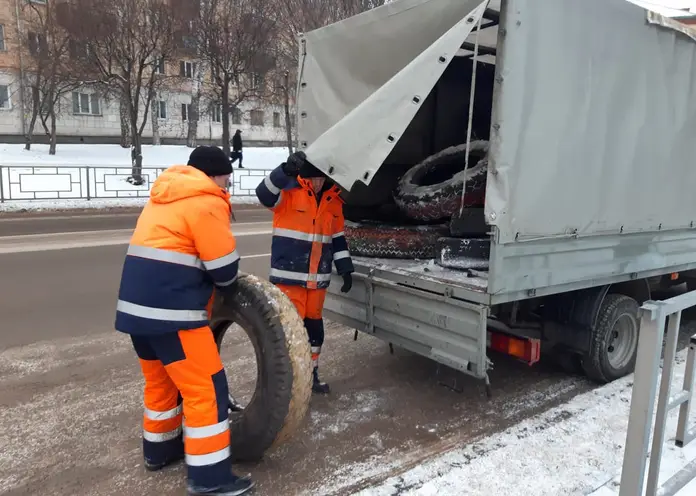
<point>45,183</point>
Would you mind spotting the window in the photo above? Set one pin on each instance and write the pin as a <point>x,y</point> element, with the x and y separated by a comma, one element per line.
<point>257,117</point>
<point>5,102</point>
<point>187,69</point>
<point>161,109</point>
<point>236,116</point>
<point>37,43</point>
<point>185,111</point>
<point>276,119</point>
<point>217,113</point>
<point>2,38</point>
<point>85,104</point>
<point>159,66</point>
<point>256,81</point>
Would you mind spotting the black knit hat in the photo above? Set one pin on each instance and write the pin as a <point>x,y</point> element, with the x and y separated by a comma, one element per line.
<point>210,160</point>
<point>308,171</point>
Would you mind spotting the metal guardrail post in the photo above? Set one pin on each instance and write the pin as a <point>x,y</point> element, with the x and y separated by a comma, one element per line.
<point>2,189</point>
<point>663,402</point>
<point>652,326</point>
<point>89,196</point>
<point>684,436</point>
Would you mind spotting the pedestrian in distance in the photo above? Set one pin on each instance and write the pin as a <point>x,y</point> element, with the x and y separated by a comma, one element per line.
<point>308,238</point>
<point>237,146</point>
<point>182,251</point>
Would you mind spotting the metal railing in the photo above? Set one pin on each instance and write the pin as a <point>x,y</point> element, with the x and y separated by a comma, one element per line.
<point>654,315</point>
<point>104,182</point>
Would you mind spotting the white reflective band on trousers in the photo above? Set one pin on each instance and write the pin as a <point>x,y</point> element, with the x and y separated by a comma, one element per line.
<point>161,437</point>
<point>209,459</point>
<point>299,276</point>
<point>339,255</point>
<point>169,414</point>
<point>301,236</point>
<point>207,430</point>
<point>161,313</point>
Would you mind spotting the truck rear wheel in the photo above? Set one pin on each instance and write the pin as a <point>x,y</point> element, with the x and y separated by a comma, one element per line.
<point>614,344</point>
<point>283,385</point>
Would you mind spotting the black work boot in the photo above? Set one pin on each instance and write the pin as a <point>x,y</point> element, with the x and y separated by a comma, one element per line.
<point>319,387</point>
<point>154,467</point>
<point>239,486</point>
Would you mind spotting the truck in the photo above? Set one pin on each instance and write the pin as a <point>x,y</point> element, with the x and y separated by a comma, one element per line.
<point>589,109</point>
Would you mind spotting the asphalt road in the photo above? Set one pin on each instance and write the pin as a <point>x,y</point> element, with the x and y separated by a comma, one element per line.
<point>70,386</point>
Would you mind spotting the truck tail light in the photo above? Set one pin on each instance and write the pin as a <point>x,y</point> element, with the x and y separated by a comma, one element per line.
<point>526,349</point>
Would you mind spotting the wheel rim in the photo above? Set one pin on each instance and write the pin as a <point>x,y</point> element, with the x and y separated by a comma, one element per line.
<point>623,341</point>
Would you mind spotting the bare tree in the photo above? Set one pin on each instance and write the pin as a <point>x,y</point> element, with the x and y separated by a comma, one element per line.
<point>48,74</point>
<point>128,41</point>
<point>237,45</point>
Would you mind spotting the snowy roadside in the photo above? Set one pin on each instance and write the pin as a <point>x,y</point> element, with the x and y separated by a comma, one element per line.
<point>114,155</point>
<point>35,181</point>
<point>574,449</point>
<point>97,204</point>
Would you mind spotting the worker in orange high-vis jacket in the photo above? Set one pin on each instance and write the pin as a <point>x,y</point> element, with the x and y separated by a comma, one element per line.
<point>181,251</point>
<point>307,238</point>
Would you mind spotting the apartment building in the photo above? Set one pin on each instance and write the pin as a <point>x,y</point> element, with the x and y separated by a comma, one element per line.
<point>87,116</point>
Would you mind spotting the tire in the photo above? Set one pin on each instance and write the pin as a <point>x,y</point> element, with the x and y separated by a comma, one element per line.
<point>471,223</point>
<point>463,254</point>
<point>617,314</point>
<point>384,241</point>
<point>432,190</point>
<point>283,385</point>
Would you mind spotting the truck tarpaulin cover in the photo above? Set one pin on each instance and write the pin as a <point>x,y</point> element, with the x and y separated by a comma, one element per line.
<point>366,77</point>
<point>597,116</point>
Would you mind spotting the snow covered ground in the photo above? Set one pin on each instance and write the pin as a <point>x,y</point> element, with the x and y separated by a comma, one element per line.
<point>575,449</point>
<point>111,155</point>
<point>95,176</point>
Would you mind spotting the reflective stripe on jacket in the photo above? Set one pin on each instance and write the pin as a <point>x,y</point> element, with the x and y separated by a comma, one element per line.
<point>181,248</point>
<point>307,237</point>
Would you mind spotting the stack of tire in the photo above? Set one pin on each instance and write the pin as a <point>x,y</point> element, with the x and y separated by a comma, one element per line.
<point>440,224</point>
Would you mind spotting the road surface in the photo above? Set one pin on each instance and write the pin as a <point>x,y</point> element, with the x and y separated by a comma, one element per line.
<point>70,386</point>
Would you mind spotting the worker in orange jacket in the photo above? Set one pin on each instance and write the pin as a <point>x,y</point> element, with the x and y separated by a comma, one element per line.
<point>307,237</point>
<point>182,249</point>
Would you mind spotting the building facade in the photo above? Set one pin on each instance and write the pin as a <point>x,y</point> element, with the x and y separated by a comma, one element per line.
<point>89,117</point>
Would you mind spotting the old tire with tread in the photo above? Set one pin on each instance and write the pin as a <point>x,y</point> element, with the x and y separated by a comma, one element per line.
<point>384,241</point>
<point>283,385</point>
<point>614,344</point>
<point>432,190</point>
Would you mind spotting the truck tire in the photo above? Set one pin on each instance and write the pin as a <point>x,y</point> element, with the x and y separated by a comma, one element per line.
<point>284,365</point>
<point>470,223</point>
<point>614,344</point>
<point>463,254</point>
<point>432,190</point>
<point>384,241</point>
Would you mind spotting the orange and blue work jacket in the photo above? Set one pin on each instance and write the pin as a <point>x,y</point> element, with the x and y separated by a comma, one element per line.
<point>307,231</point>
<point>181,249</point>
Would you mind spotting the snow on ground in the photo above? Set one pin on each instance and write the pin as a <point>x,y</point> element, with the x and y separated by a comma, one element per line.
<point>575,449</point>
<point>34,180</point>
<point>110,155</point>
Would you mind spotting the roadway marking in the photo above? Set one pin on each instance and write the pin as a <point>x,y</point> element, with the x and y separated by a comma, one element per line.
<point>28,243</point>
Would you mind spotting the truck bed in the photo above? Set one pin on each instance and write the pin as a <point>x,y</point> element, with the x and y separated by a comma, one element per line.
<point>423,272</point>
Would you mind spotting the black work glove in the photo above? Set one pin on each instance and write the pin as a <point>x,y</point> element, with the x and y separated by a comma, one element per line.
<point>347,283</point>
<point>292,167</point>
